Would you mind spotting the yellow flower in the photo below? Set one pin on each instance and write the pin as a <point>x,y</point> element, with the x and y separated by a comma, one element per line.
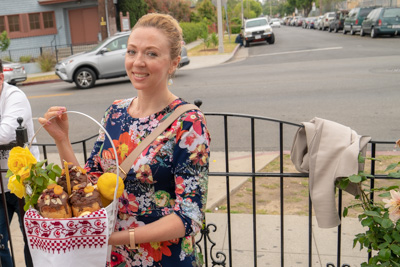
<point>16,187</point>
<point>20,158</point>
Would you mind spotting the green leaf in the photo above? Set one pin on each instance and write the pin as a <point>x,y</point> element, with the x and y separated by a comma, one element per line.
<point>345,212</point>
<point>52,175</point>
<point>9,173</point>
<point>50,166</point>
<point>386,223</point>
<point>40,164</point>
<point>394,174</point>
<point>355,178</point>
<point>395,248</point>
<point>361,159</point>
<point>39,180</point>
<point>372,213</point>
<point>396,235</point>
<point>57,170</point>
<point>367,222</point>
<point>343,183</point>
<point>388,238</point>
<point>391,166</point>
<point>384,254</point>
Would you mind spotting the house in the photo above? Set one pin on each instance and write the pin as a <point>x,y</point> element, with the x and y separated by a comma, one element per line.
<point>46,23</point>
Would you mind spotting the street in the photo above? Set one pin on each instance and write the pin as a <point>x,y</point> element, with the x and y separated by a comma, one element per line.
<point>352,80</point>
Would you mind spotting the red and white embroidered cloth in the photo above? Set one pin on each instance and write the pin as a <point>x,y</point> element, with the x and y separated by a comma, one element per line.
<point>67,242</point>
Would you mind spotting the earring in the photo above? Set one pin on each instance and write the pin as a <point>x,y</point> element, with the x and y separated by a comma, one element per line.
<point>170,82</point>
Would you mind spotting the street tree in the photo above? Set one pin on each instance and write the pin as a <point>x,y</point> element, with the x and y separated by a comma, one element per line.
<point>4,41</point>
<point>251,9</point>
<point>179,9</point>
<point>135,8</point>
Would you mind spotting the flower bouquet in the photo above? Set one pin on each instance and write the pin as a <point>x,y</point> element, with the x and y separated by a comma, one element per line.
<point>382,235</point>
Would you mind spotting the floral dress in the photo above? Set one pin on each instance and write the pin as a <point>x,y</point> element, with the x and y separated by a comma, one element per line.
<point>170,176</point>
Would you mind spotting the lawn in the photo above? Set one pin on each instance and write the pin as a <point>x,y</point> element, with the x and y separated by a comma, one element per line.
<point>202,50</point>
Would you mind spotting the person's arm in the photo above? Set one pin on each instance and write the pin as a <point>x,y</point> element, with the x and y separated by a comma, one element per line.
<point>166,228</point>
<point>15,106</point>
<point>55,122</point>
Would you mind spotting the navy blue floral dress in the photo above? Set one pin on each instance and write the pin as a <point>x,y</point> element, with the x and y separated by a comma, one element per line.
<point>170,176</point>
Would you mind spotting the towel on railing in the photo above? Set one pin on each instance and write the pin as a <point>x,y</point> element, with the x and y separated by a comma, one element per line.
<point>327,151</point>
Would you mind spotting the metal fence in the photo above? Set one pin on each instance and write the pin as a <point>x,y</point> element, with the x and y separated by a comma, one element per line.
<point>58,52</point>
<point>225,127</point>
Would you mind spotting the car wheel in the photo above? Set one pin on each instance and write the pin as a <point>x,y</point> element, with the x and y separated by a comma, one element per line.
<point>362,32</point>
<point>245,43</point>
<point>271,40</point>
<point>329,29</point>
<point>373,33</point>
<point>344,31</point>
<point>85,78</point>
<point>352,32</point>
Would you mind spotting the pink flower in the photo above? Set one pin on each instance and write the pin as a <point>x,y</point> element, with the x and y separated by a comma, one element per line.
<point>393,205</point>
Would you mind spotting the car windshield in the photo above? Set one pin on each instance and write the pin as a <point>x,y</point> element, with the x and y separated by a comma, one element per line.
<point>391,13</point>
<point>101,43</point>
<point>331,15</point>
<point>365,12</point>
<point>256,23</point>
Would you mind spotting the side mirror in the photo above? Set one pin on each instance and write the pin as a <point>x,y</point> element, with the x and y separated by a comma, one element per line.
<point>103,50</point>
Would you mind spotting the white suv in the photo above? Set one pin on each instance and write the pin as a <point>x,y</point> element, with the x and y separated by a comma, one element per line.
<point>257,29</point>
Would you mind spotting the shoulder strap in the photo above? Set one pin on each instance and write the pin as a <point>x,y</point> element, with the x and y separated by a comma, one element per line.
<point>128,162</point>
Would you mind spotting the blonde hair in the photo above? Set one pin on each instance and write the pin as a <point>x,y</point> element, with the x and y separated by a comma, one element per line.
<point>166,24</point>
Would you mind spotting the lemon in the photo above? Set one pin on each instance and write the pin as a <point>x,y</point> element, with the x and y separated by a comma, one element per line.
<point>107,183</point>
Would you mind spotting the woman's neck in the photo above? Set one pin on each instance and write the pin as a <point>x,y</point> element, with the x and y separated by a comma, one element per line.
<point>145,105</point>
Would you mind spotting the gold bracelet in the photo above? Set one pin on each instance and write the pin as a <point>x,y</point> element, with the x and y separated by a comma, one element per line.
<point>132,244</point>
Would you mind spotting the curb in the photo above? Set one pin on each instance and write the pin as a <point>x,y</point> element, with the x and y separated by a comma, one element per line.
<point>41,82</point>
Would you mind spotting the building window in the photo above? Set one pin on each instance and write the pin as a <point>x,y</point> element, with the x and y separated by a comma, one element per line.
<point>13,23</point>
<point>2,25</point>
<point>48,20</point>
<point>34,21</point>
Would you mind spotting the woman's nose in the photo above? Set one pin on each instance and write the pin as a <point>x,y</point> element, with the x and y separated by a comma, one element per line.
<point>139,59</point>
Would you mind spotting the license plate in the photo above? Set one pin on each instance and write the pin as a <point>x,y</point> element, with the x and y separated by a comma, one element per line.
<point>258,36</point>
<point>396,26</point>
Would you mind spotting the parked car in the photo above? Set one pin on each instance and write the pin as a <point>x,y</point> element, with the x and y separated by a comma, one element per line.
<point>309,23</point>
<point>317,23</point>
<point>257,29</point>
<point>352,22</point>
<point>13,72</point>
<point>337,23</point>
<point>275,23</point>
<point>105,61</point>
<point>382,21</point>
<point>326,19</point>
<point>300,21</point>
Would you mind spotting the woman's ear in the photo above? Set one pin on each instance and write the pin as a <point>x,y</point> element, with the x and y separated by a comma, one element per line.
<point>174,64</point>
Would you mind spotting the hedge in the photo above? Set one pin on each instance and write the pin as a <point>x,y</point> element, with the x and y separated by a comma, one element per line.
<point>192,31</point>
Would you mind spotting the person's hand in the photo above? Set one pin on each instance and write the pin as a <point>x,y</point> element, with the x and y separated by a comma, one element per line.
<point>55,122</point>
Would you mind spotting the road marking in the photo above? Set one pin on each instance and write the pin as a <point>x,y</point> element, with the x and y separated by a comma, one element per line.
<point>299,51</point>
<point>40,96</point>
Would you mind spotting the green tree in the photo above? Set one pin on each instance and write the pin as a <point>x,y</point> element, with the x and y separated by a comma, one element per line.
<point>135,8</point>
<point>251,9</point>
<point>207,10</point>
<point>179,9</point>
<point>4,41</point>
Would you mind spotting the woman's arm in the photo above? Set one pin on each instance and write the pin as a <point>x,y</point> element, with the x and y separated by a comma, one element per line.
<point>55,122</point>
<point>167,228</point>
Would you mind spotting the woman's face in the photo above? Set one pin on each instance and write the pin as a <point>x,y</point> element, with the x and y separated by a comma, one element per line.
<point>147,61</point>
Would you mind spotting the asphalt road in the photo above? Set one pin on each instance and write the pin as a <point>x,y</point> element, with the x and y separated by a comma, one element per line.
<point>352,80</point>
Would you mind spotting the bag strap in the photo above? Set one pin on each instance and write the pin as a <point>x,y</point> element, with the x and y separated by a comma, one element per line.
<point>126,165</point>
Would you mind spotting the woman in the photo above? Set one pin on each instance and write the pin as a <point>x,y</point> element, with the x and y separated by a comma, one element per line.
<point>165,190</point>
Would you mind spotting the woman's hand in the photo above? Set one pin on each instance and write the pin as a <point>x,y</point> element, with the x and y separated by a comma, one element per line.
<point>55,122</point>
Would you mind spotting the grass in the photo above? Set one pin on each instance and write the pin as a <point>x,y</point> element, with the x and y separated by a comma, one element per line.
<point>201,50</point>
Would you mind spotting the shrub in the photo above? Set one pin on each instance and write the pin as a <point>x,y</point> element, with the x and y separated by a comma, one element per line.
<point>214,39</point>
<point>236,25</point>
<point>192,31</point>
<point>25,59</point>
<point>46,62</point>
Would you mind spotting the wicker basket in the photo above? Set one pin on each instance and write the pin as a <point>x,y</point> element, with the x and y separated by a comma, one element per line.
<point>36,225</point>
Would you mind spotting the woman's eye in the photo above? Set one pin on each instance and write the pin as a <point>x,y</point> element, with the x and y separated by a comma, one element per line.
<point>131,52</point>
<point>152,54</point>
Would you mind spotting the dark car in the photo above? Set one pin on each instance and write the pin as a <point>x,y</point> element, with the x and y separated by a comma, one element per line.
<point>352,22</point>
<point>337,23</point>
<point>382,21</point>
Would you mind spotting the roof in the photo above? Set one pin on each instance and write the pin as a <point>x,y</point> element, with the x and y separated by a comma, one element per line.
<point>50,2</point>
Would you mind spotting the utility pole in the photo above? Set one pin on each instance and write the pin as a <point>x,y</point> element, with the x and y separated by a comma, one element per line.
<point>220,28</point>
<point>242,15</point>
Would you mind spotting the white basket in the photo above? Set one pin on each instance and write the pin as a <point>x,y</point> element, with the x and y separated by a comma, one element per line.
<point>111,209</point>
